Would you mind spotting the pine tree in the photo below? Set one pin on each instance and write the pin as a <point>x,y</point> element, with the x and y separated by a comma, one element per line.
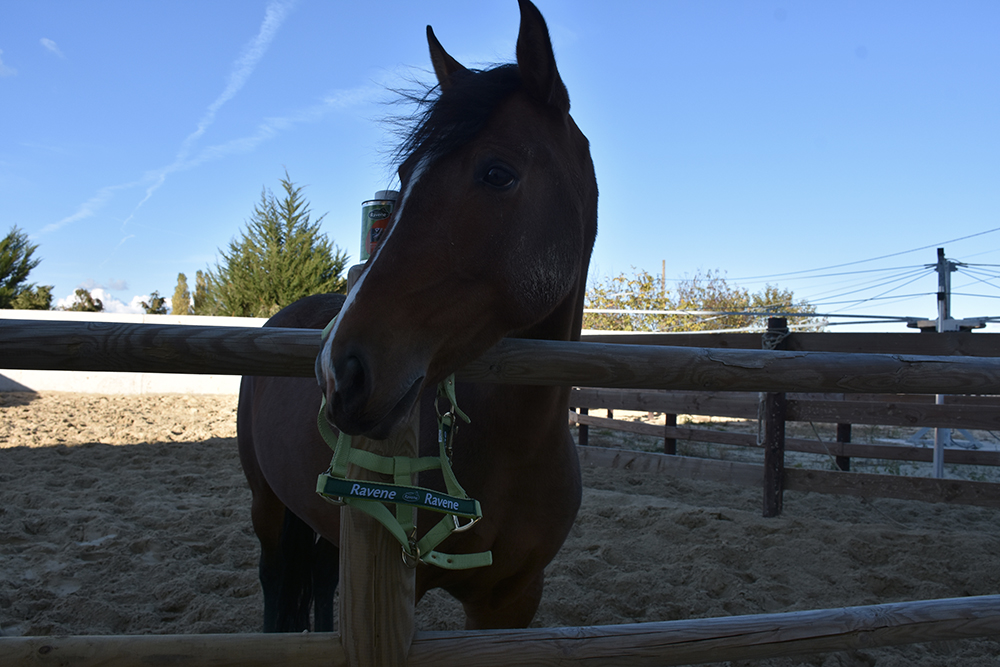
<point>34,298</point>
<point>84,302</point>
<point>16,262</point>
<point>157,305</point>
<point>180,304</point>
<point>279,258</point>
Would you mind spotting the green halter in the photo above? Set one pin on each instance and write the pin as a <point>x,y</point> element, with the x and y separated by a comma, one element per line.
<point>368,497</point>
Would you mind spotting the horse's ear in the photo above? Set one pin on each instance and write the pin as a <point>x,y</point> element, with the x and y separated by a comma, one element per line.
<point>444,65</point>
<point>536,61</point>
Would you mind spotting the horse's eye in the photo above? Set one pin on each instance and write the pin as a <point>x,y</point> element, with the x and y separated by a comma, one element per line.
<point>498,177</point>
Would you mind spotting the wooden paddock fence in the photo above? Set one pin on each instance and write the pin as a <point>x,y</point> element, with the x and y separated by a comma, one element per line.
<point>774,409</point>
<point>291,352</point>
<point>844,410</point>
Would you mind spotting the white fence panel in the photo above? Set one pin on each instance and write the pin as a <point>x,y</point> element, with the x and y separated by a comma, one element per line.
<point>121,383</point>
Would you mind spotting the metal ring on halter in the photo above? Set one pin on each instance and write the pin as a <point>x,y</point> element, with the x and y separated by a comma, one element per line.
<point>411,558</point>
<point>459,528</point>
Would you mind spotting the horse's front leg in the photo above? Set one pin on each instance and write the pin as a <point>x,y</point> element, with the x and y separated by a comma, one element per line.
<point>325,578</point>
<point>267,514</point>
<point>286,546</point>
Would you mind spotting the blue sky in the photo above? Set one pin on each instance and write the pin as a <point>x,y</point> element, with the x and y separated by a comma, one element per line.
<point>755,138</point>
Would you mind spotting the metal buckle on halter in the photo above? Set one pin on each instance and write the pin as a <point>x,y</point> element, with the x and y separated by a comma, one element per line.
<point>333,500</point>
<point>459,528</point>
<point>411,558</point>
<point>446,432</point>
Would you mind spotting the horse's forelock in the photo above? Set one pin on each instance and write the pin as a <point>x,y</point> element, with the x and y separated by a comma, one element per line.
<point>446,120</point>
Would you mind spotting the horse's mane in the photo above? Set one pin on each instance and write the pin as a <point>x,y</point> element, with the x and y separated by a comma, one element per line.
<point>448,119</point>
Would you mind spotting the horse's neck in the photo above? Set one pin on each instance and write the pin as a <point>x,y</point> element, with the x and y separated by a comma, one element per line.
<point>548,403</point>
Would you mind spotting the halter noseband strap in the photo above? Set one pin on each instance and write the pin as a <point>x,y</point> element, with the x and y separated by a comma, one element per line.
<point>335,487</point>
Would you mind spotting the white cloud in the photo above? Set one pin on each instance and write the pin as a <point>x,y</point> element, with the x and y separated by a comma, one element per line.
<point>4,69</point>
<point>134,306</point>
<point>275,14</point>
<point>271,127</point>
<point>51,46</point>
<point>112,285</point>
<point>115,305</point>
<point>244,66</point>
<point>112,304</point>
<point>187,156</point>
<point>89,207</point>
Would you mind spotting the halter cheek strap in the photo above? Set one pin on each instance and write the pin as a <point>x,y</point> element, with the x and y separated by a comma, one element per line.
<point>369,497</point>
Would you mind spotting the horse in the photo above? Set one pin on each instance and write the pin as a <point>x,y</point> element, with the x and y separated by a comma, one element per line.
<point>491,238</point>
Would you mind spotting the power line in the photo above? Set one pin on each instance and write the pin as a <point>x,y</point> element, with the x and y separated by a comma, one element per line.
<point>910,277</point>
<point>872,259</point>
<point>744,313</point>
<point>839,273</point>
<point>898,297</point>
<point>977,296</point>
<point>975,274</point>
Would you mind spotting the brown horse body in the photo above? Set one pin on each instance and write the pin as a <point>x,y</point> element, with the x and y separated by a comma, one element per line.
<point>492,238</point>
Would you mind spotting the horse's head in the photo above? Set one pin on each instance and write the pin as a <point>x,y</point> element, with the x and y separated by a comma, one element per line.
<point>492,237</point>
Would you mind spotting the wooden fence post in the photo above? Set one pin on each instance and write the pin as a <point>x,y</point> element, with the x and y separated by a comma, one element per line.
<point>774,426</point>
<point>376,587</point>
<point>669,444</point>
<point>844,436</point>
<point>583,431</point>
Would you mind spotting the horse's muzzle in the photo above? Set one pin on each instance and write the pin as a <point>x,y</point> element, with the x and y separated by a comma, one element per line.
<point>356,408</point>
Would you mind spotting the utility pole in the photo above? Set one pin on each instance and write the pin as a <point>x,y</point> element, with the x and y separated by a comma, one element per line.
<point>944,270</point>
<point>663,285</point>
<point>944,323</point>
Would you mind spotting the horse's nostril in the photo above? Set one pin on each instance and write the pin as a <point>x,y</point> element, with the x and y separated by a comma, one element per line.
<point>350,379</point>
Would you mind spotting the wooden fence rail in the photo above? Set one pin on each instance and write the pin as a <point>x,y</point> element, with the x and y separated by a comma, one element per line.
<point>631,645</point>
<point>291,352</point>
<point>864,485</point>
<point>965,412</point>
<point>971,412</point>
<point>964,344</point>
<point>804,445</point>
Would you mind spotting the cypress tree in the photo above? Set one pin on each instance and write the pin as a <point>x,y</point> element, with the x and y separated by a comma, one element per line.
<point>180,304</point>
<point>203,302</point>
<point>279,258</point>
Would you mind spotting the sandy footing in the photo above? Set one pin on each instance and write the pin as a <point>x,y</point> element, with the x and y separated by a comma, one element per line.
<point>130,515</point>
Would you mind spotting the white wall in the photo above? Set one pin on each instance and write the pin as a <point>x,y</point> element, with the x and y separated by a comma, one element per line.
<point>121,383</point>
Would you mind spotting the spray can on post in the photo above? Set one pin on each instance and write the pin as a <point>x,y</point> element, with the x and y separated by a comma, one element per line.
<point>376,215</point>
